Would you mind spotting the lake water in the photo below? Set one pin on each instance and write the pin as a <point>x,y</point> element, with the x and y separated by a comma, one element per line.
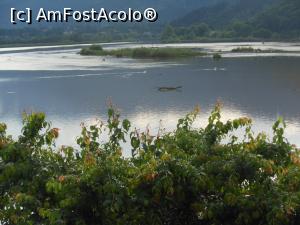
<point>72,89</point>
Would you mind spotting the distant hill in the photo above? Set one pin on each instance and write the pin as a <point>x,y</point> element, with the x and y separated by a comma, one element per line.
<point>224,12</point>
<point>282,18</point>
<point>238,20</point>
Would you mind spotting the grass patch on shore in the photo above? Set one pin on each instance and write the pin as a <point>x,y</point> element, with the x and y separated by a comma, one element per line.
<point>142,52</point>
<point>255,50</point>
<point>246,50</point>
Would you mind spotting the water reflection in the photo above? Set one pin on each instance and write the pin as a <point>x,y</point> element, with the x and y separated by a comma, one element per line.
<point>156,121</point>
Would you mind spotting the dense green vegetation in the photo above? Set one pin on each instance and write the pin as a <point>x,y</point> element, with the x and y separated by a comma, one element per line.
<point>142,52</point>
<point>242,20</point>
<point>189,176</point>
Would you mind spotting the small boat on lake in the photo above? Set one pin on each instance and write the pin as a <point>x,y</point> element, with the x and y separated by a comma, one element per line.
<point>165,89</point>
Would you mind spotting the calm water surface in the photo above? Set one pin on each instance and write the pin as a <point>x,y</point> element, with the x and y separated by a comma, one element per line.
<point>72,89</point>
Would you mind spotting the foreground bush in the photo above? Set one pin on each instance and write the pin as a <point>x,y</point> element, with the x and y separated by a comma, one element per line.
<point>189,176</point>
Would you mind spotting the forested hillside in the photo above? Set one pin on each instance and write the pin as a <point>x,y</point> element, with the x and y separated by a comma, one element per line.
<point>239,20</point>
<point>282,18</point>
<point>224,12</point>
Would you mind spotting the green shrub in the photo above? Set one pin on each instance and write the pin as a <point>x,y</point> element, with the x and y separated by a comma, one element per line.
<point>217,56</point>
<point>189,176</point>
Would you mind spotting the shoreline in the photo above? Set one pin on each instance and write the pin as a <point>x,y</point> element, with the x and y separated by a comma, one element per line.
<point>272,49</point>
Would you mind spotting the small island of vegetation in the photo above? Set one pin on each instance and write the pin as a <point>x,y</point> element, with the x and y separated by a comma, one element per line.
<point>141,52</point>
<point>246,50</point>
